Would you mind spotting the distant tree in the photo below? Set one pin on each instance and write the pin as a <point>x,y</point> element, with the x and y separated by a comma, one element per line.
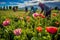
<point>6,7</point>
<point>15,8</point>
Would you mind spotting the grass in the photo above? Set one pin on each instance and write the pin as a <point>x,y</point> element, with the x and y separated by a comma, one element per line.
<point>9,12</point>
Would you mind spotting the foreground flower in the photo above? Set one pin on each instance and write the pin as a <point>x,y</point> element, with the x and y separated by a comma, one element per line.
<point>54,14</point>
<point>28,18</point>
<point>7,19</point>
<point>51,29</point>
<point>6,23</point>
<point>20,18</point>
<point>57,23</point>
<point>41,15</point>
<point>17,32</point>
<point>35,15</point>
<point>39,29</point>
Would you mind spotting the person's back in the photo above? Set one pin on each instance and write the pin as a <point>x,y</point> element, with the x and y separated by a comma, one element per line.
<point>46,9</point>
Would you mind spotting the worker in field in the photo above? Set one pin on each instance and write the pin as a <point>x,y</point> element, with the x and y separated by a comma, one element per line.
<point>33,9</point>
<point>46,9</point>
<point>26,9</point>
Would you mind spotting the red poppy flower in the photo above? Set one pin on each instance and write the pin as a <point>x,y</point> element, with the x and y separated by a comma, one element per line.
<point>41,15</point>
<point>51,29</point>
<point>39,29</point>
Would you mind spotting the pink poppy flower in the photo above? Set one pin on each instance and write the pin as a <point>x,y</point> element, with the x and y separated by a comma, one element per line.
<point>17,32</point>
<point>6,23</point>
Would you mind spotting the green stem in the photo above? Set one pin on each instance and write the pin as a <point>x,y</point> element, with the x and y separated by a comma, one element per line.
<point>52,37</point>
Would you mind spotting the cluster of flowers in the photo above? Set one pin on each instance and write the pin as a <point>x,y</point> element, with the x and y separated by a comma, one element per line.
<point>38,15</point>
<point>50,29</point>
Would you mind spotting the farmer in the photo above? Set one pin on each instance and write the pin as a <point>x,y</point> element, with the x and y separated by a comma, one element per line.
<point>26,9</point>
<point>46,9</point>
<point>33,9</point>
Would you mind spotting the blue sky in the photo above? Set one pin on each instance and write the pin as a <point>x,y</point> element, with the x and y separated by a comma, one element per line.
<point>13,0</point>
<point>10,0</point>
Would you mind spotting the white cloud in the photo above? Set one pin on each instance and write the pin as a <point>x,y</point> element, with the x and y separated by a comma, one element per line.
<point>2,2</point>
<point>35,0</point>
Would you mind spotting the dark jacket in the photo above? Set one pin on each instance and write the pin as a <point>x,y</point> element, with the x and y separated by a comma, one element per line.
<point>44,7</point>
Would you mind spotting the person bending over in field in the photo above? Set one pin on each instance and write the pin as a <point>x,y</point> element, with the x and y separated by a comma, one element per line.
<point>46,9</point>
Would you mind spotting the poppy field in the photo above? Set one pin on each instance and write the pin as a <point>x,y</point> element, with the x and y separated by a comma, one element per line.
<point>20,25</point>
